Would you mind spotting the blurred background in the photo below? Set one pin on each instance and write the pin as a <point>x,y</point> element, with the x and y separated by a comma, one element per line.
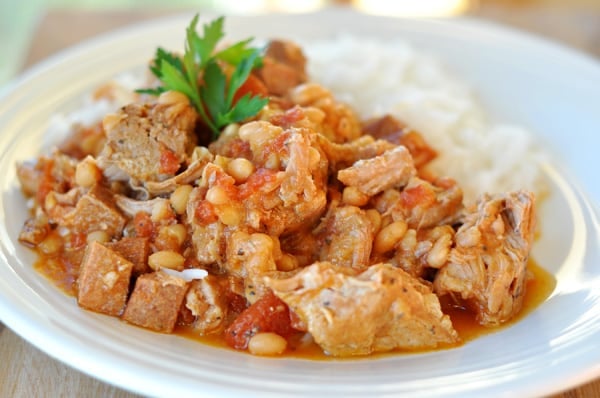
<point>30,30</point>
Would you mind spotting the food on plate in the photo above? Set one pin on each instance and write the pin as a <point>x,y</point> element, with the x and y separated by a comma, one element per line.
<point>237,197</point>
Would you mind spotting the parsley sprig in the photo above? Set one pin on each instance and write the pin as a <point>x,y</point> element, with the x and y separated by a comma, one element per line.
<point>200,76</point>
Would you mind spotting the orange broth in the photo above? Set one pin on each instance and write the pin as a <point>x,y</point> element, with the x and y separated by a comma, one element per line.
<point>61,269</point>
<point>539,288</point>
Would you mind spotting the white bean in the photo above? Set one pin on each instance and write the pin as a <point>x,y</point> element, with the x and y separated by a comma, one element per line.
<point>267,343</point>
<point>166,259</point>
<point>97,236</point>
<point>354,197</point>
<point>179,198</point>
<point>87,173</point>
<point>240,169</point>
<point>388,236</point>
<point>217,195</point>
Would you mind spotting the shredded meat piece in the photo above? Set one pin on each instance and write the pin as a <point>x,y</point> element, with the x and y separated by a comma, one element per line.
<point>131,206</point>
<point>292,196</point>
<point>207,302</point>
<point>344,155</point>
<point>347,238</point>
<point>391,169</point>
<point>488,266</point>
<point>57,205</point>
<point>350,313</point>
<point>189,175</point>
<point>303,245</point>
<point>393,130</point>
<point>423,204</point>
<point>250,256</point>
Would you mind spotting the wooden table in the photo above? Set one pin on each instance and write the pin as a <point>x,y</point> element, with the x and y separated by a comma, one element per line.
<point>26,371</point>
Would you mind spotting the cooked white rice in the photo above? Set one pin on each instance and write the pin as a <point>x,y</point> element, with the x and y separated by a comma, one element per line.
<point>376,77</point>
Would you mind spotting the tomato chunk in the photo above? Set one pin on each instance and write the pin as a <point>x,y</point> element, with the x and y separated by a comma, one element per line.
<point>142,222</point>
<point>205,213</point>
<point>419,195</point>
<point>169,163</point>
<point>268,314</point>
<point>253,86</point>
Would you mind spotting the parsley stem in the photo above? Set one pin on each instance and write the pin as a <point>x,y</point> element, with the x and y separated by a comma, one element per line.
<point>200,108</point>
<point>214,98</point>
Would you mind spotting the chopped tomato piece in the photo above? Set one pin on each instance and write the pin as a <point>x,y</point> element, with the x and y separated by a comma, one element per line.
<point>268,314</point>
<point>205,213</point>
<point>47,182</point>
<point>418,195</point>
<point>257,180</point>
<point>144,228</point>
<point>169,164</point>
<point>253,86</point>
<point>288,118</point>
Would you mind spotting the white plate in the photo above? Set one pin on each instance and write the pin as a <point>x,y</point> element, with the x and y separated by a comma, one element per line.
<point>524,80</point>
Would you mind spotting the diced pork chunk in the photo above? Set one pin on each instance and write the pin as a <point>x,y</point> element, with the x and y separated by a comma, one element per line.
<point>55,173</point>
<point>148,142</point>
<point>385,127</point>
<point>209,241</point>
<point>419,149</point>
<point>393,130</point>
<point>156,301</point>
<point>391,169</point>
<point>206,301</point>
<point>282,201</point>
<point>134,249</point>
<point>345,154</point>
<point>487,268</point>
<point>283,67</point>
<point>250,256</point>
<point>103,282</point>
<point>380,309</point>
<point>423,204</point>
<point>347,238</point>
<point>303,187</point>
<point>34,230</point>
<point>303,245</point>
<point>95,210</point>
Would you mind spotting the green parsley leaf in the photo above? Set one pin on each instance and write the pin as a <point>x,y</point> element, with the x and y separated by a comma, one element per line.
<point>240,75</point>
<point>199,75</point>
<point>151,91</point>
<point>245,107</point>
<point>212,94</point>
<point>218,96</point>
<point>235,53</point>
